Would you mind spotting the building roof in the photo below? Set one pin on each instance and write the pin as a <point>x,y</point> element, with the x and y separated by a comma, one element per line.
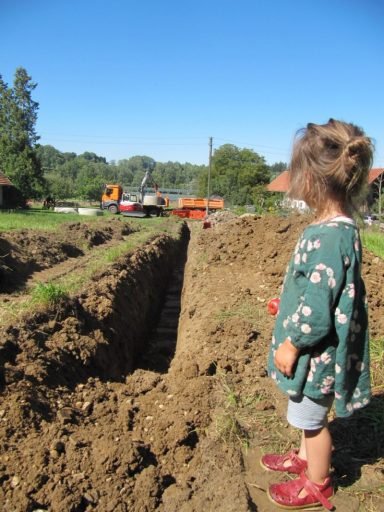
<point>281,182</point>
<point>374,174</point>
<point>4,180</point>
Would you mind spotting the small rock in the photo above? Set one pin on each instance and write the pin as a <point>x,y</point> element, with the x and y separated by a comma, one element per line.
<point>66,415</point>
<point>52,324</point>
<point>2,413</point>
<point>79,476</point>
<point>54,454</point>
<point>87,407</point>
<point>74,442</point>
<point>15,480</point>
<point>263,372</point>
<point>91,497</point>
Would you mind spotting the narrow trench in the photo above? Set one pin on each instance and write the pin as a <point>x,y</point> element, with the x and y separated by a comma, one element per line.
<point>162,340</point>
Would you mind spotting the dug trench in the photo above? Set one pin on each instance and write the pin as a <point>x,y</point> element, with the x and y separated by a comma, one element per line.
<point>141,392</point>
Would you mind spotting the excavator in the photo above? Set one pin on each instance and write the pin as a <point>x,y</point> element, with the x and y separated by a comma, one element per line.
<point>138,204</point>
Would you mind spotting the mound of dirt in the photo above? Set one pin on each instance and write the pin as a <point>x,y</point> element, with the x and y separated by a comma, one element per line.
<point>24,252</point>
<point>87,426</point>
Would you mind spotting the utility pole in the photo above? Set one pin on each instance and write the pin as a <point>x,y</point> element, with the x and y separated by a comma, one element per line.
<point>209,172</point>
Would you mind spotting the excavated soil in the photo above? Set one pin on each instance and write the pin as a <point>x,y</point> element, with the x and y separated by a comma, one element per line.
<point>140,392</point>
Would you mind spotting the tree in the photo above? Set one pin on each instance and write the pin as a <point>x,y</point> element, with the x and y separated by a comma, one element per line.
<point>18,137</point>
<point>235,175</point>
<point>277,168</point>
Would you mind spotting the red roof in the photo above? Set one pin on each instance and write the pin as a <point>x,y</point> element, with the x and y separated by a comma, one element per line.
<point>4,180</point>
<point>374,174</point>
<point>281,182</point>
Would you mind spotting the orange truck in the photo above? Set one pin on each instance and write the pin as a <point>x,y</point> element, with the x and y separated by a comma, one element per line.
<point>196,208</point>
<point>140,205</point>
<point>135,205</point>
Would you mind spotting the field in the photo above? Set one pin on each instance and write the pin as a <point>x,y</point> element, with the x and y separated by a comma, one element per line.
<point>133,368</point>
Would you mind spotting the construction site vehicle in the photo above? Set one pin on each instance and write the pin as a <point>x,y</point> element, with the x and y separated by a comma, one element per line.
<point>137,204</point>
<point>196,208</point>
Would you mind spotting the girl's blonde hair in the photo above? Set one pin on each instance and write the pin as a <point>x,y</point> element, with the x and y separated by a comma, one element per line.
<point>331,159</point>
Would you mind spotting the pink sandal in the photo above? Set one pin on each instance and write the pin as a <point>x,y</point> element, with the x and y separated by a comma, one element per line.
<point>286,495</point>
<point>272,462</point>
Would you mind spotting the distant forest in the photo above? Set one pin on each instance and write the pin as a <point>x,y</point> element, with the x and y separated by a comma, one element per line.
<point>236,174</point>
<point>84,176</point>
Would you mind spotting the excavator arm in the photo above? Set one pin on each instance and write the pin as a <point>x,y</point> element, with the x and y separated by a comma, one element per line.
<point>148,179</point>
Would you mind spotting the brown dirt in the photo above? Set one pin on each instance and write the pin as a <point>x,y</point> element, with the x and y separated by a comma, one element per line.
<point>26,252</point>
<point>100,413</point>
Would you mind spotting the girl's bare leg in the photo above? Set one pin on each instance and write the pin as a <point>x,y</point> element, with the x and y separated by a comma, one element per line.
<point>318,446</point>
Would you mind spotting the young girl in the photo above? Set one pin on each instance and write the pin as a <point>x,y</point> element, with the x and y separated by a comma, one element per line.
<point>319,351</point>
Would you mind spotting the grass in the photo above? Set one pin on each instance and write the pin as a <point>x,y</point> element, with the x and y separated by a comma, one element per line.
<point>377,365</point>
<point>237,414</point>
<point>48,293</point>
<point>251,312</point>
<point>44,220</point>
<point>373,240</point>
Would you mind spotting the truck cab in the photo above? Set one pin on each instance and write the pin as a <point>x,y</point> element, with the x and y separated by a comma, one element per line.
<point>111,198</point>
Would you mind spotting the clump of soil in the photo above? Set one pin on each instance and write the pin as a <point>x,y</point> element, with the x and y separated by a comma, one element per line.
<point>85,426</point>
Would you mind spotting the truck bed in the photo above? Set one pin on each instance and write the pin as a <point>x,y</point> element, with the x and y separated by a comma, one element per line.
<point>200,203</point>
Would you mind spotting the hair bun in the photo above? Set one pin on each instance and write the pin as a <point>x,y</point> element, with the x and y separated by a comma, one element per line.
<point>358,151</point>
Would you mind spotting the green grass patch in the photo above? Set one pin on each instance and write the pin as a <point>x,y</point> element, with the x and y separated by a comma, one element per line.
<point>43,220</point>
<point>373,240</point>
<point>48,293</point>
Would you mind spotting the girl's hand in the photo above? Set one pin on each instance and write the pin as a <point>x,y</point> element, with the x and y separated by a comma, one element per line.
<point>285,358</point>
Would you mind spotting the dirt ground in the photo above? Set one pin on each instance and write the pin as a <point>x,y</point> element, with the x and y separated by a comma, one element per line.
<point>103,408</point>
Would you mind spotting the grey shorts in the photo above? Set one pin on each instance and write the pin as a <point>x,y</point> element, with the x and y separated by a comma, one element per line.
<point>309,413</point>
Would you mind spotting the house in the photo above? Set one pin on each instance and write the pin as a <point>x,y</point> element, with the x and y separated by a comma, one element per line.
<point>4,183</point>
<point>281,182</point>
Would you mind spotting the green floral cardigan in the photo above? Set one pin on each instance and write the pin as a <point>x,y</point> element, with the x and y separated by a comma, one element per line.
<point>323,312</point>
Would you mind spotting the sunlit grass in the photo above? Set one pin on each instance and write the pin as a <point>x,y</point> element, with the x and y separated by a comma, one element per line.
<point>373,240</point>
<point>43,220</point>
<point>48,293</point>
<point>377,364</point>
<point>253,313</point>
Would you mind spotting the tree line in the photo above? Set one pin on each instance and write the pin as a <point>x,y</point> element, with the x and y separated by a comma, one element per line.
<point>239,175</point>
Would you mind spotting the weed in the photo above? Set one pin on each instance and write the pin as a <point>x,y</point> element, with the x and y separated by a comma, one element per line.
<point>237,414</point>
<point>48,293</point>
<point>377,364</point>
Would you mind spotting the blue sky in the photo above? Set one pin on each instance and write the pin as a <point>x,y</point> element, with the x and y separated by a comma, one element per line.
<point>158,78</point>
